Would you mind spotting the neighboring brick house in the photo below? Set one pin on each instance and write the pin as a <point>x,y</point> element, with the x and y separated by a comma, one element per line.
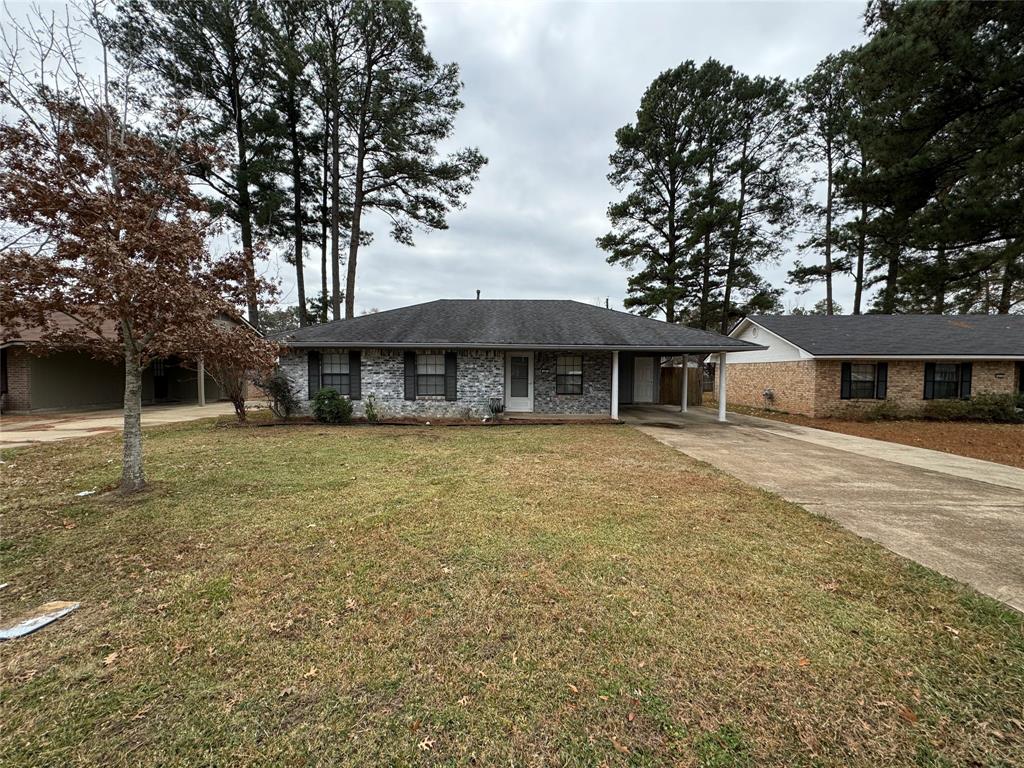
<point>72,380</point>
<point>464,357</point>
<point>849,364</point>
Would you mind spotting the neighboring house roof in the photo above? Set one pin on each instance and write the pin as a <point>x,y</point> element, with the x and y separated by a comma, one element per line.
<point>20,335</point>
<point>897,335</point>
<point>510,324</point>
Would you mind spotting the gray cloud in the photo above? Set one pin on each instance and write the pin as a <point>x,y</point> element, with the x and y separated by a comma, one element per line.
<point>546,87</point>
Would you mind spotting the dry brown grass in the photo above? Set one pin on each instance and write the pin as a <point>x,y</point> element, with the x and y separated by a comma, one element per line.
<point>442,596</point>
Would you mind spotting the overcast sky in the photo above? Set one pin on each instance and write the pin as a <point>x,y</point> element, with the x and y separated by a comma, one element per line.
<point>546,86</point>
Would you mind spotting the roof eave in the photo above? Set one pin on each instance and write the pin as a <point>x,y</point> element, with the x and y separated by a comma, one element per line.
<point>840,356</point>
<point>670,348</point>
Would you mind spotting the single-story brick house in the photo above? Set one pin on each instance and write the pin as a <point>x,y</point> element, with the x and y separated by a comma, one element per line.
<point>818,365</point>
<point>463,357</point>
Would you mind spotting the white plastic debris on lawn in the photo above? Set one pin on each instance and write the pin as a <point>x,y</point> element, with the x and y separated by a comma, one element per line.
<point>45,614</point>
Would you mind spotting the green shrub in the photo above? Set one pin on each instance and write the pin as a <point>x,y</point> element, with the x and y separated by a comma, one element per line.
<point>284,402</point>
<point>886,410</point>
<point>1004,409</point>
<point>331,408</point>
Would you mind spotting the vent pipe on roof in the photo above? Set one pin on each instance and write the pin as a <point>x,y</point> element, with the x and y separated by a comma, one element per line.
<point>478,294</point>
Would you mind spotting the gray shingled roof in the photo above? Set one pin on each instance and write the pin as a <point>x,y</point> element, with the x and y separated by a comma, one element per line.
<point>901,335</point>
<point>510,323</point>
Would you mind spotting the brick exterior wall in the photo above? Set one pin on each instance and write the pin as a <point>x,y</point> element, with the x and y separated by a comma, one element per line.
<point>480,377</point>
<point>792,383</point>
<point>19,380</point>
<point>597,385</point>
<point>811,387</point>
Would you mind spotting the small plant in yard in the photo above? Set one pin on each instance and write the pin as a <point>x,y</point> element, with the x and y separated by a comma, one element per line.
<point>284,402</point>
<point>370,408</point>
<point>331,408</point>
<point>496,406</point>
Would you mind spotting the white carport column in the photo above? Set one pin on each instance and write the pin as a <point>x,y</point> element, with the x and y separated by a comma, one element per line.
<point>721,386</point>
<point>615,385</point>
<point>201,381</point>
<point>686,383</point>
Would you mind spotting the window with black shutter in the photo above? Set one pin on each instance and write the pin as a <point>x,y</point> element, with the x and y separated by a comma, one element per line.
<point>947,381</point>
<point>863,381</point>
<point>451,365</point>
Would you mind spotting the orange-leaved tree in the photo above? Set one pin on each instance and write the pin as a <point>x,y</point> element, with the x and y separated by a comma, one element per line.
<point>111,254</point>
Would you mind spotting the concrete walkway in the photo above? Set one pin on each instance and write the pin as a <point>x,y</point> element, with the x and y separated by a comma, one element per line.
<point>960,516</point>
<point>21,431</point>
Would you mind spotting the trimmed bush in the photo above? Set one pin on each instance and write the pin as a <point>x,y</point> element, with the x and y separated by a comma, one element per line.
<point>885,411</point>
<point>1004,409</point>
<point>331,408</point>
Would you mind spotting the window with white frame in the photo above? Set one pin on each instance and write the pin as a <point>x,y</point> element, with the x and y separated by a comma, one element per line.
<point>334,372</point>
<point>429,374</point>
<point>569,375</point>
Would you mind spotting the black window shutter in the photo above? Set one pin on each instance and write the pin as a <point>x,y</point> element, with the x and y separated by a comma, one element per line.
<point>881,380</point>
<point>410,375</point>
<point>451,364</point>
<point>845,381</point>
<point>355,375</point>
<point>966,369</point>
<point>625,377</point>
<point>929,381</point>
<point>313,359</point>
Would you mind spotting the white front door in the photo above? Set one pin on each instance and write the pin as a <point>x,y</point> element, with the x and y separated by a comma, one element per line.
<point>643,380</point>
<point>519,381</point>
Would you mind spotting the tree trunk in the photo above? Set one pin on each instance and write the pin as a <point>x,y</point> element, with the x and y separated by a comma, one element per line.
<point>939,299</point>
<point>244,200</point>
<point>1010,270</point>
<point>336,213</point>
<point>891,276</point>
<point>358,194</point>
<point>670,282</point>
<point>132,477</point>
<point>858,279</point>
<point>705,285</point>
<point>734,242</point>
<point>353,241</point>
<point>324,188</point>
<point>293,127</point>
<point>829,195</point>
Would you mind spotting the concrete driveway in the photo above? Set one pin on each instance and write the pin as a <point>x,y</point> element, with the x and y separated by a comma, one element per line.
<point>21,431</point>
<point>962,517</point>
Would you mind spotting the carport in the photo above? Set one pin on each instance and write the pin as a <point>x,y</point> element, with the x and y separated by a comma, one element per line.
<point>632,387</point>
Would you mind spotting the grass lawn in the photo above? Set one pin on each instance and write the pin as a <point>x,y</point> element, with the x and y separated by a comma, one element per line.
<point>1001,443</point>
<point>520,596</point>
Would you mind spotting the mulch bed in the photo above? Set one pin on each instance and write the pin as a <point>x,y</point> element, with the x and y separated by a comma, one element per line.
<point>1001,443</point>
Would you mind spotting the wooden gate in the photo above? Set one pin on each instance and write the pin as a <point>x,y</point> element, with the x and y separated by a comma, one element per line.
<point>672,386</point>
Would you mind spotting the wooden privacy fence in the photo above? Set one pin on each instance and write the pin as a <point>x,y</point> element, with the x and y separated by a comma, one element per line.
<point>672,386</point>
